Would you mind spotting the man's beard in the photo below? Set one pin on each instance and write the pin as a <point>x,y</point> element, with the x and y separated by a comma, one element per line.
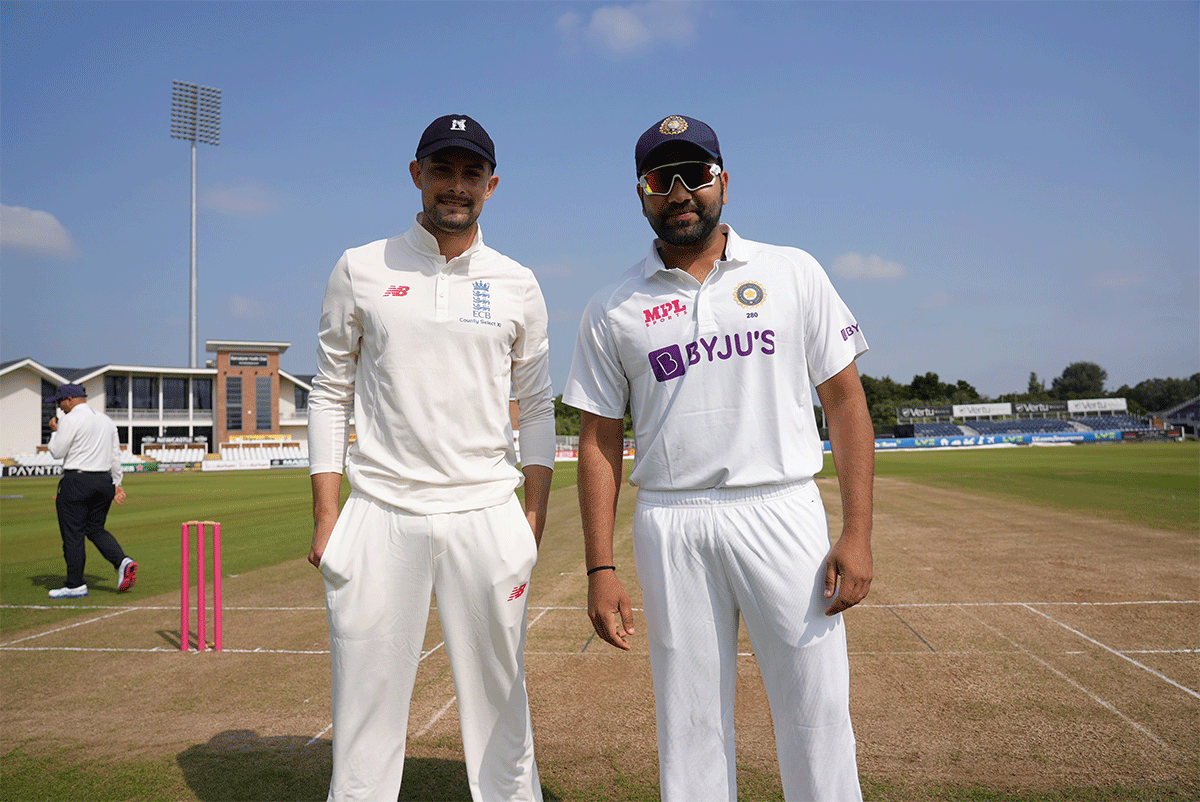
<point>692,233</point>
<point>462,221</point>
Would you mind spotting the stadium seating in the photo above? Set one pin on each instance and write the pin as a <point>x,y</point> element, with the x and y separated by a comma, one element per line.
<point>1021,426</point>
<point>1102,423</point>
<point>162,453</point>
<point>940,429</point>
<point>265,450</point>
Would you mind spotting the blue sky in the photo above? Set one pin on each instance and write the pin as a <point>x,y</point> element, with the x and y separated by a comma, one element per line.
<point>995,188</point>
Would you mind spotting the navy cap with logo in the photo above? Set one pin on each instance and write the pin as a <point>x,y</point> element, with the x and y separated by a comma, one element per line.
<point>68,391</point>
<point>675,128</point>
<point>456,131</point>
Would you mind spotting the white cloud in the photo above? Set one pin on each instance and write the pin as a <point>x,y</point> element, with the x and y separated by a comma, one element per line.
<point>243,308</point>
<point>630,29</point>
<point>247,199</point>
<point>857,267</point>
<point>35,232</point>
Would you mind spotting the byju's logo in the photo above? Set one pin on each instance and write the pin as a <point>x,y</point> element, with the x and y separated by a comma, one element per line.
<point>849,331</point>
<point>667,363</point>
<point>672,361</point>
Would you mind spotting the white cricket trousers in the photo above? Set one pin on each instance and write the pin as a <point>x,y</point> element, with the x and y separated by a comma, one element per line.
<point>380,566</point>
<point>703,558</point>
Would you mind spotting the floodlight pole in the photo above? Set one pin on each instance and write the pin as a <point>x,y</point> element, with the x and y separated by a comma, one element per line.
<point>195,116</point>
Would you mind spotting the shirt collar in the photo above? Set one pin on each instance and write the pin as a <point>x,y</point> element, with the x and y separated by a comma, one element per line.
<point>427,245</point>
<point>736,253</point>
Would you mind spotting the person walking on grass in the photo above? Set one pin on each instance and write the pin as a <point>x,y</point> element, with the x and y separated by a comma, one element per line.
<point>87,443</point>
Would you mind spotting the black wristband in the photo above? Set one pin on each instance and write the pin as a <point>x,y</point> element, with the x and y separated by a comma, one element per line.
<point>601,568</point>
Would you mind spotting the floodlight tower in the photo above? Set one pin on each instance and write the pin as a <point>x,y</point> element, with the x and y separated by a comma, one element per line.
<point>196,117</point>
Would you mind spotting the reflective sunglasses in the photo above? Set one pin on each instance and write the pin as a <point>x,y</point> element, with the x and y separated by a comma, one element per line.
<point>694,175</point>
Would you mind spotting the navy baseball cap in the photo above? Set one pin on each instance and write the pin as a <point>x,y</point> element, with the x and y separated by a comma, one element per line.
<point>675,128</point>
<point>456,131</point>
<point>69,391</point>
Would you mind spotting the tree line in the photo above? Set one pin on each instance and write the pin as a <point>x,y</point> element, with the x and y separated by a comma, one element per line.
<point>1078,380</point>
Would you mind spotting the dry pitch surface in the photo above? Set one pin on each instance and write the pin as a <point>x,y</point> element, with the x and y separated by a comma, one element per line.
<point>1001,645</point>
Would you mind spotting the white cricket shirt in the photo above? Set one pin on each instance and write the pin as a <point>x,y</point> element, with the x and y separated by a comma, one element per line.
<point>426,353</point>
<point>87,440</point>
<point>718,373</point>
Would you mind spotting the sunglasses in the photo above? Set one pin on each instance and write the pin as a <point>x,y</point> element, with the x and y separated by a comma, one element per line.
<point>694,175</point>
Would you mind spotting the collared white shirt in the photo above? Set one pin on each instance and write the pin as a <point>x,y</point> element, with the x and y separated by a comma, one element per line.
<point>719,373</point>
<point>87,440</point>
<point>426,353</point>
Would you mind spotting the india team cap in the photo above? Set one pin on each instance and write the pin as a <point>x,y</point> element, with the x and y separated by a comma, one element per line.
<point>456,131</point>
<point>68,391</point>
<point>675,128</point>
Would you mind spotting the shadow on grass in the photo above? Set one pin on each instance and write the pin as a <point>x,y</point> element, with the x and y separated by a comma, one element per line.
<point>95,583</point>
<point>241,766</point>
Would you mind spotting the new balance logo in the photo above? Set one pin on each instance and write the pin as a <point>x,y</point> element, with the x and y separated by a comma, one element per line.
<point>517,592</point>
<point>458,125</point>
<point>395,291</point>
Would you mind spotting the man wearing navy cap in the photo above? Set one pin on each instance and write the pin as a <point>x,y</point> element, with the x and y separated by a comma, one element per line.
<point>86,441</point>
<point>424,337</point>
<point>713,341</point>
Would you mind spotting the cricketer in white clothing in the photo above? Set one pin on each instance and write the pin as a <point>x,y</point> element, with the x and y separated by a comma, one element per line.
<point>424,338</point>
<point>713,342</point>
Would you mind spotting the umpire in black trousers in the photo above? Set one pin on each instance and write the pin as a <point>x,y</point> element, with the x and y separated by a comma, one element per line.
<point>87,443</point>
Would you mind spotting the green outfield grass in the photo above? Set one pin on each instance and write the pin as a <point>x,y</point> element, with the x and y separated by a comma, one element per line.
<point>1154,484</point>
<point>266,515</point>
<point>267,521</point>
<point>266,518</point>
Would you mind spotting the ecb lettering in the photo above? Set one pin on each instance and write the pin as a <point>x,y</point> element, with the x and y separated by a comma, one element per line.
<point>671,363</point>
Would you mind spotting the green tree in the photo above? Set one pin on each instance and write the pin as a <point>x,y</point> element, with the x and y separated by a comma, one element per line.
<point>1080,380</point>
<point>566,419</point>
<point>1156,395</point>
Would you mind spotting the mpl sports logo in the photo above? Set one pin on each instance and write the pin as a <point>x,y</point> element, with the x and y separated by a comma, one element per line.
<point>672,361</point>
<point>667,311</point>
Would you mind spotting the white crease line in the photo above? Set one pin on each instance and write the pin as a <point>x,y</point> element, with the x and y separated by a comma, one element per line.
<point>434,720</point>
<point>69,626</point>
<point>168,649</point>
<point>76,607</point>
<point>1140,728</point>
<point>1123,656</point>
<point>1022,604</point>
<point>446,707</point>
<point>427,726</point>
<point>317,737</point>
<point>867,605</point>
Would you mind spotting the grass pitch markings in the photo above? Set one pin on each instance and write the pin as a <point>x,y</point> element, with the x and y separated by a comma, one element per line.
<point>1111,650</point>
<point>1070,681</point>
